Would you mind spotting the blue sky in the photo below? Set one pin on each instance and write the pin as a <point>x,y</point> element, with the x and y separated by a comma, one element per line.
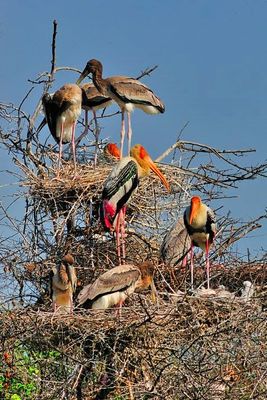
<point>212,58</point>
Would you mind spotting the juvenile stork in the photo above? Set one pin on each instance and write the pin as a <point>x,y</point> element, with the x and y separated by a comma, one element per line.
<point>120,185</point>
<point>199,221</point>
<point>128,93</point>
<point>62,109</point>
<point>63,285</point>
<point>114,286</point>
<point>93,100</point>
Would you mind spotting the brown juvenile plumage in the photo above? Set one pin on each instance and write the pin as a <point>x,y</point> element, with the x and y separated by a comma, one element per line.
<point>63,285</point>
<point>62,109</point>
<point>128,93</point>
<point>115,285</point>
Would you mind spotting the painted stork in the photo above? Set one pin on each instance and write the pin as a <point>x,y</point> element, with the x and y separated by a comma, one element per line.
<point>114,286</point>
<point>128,93</point>
<point>92,101</point>
<point>63,285</point>
<point>62,109</point>
<point>199,221</point>
<point>120,185</point>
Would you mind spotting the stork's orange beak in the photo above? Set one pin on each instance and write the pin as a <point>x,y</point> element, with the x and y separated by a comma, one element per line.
<point>155,169</point>
<point>195,203</point>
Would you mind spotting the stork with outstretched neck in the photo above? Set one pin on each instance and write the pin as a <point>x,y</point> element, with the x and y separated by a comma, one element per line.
<point>128,93</point>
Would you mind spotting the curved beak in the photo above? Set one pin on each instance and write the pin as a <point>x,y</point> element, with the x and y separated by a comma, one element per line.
<point>154,293</point>
<point>42,124</point>
<point>155,169</point>
<point>82,76</point>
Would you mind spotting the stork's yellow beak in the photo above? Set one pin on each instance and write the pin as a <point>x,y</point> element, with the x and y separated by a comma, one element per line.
<point>156,170</point>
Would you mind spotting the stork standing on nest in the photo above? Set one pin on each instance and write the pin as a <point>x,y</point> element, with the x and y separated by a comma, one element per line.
<point>62,109</point>
<point>63,285</point>
<point>128,93</point>
<point>114,286</point>
<point>199,221</point>
<point>120,185</point>
<point>93,100</point>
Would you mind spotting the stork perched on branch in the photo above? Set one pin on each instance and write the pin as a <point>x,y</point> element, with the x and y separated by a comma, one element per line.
<point>62,109</point>
<point>115,285</point>
<point>199,221</point>
<point>63,285</point>
<point>119,187</point>
<point>128,93</point>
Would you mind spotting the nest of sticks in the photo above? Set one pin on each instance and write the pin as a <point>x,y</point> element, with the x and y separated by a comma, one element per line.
<point>186,348</point>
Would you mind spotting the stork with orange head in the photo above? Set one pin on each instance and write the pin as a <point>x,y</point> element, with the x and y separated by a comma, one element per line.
<point>119,187</point>
<point>200,223</point>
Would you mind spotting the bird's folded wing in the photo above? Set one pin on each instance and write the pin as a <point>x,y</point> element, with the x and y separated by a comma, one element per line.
<point>123,173</point>
<point>211,221</point>
<point>134,91</point>
<point>116,279</point>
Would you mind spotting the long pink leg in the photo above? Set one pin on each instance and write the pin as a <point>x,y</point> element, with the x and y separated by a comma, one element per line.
<point>122,132</point>
<point>119,307</point>
<point>118,244</point>
<point>184,261</point>
<point>60,146</point>
<point>192,265</point>
<point>122,218</point>
<point>129,133</point>
<point>73,144</point>
<point>208,264</point>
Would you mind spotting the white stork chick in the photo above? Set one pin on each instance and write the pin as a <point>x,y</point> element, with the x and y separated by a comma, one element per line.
<point>63,285</point>
<point>248,291</point>
<point>127,92</point>
<point>114,286</point>
<point>199,221</point>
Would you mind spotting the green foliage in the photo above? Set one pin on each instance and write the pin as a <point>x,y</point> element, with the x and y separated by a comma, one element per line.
<point>19,381</point>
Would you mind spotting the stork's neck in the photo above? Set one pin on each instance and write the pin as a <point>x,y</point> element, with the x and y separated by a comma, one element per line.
<point>100,83</point>
<point>143,170</point>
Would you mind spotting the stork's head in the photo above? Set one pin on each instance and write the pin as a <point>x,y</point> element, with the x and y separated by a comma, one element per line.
<point>194,208</point>
<point>68,259</point>
<point>144,160</point>
<point>111,149</point>
<point>147,274</point>
<point>92,67</point>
